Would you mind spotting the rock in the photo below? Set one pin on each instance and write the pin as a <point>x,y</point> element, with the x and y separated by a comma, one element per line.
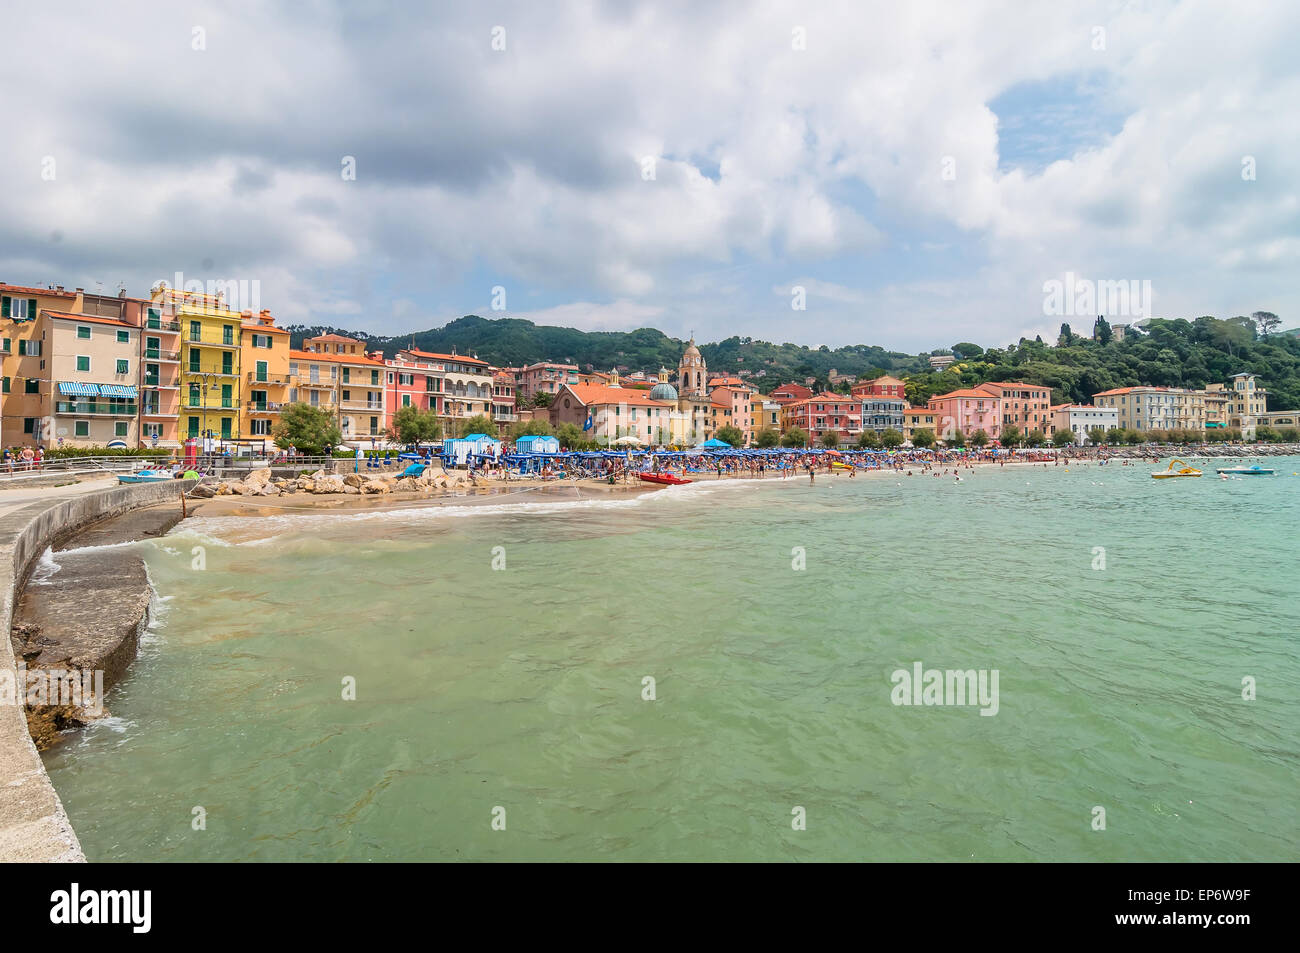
<point>328,484</point>
<point>223,489</point>
<point>203,492</point>
<point>259,477</point>
<point>376,486</point>
<point>351,489</point>
<point>305,484</point>
<point>354,479</point>
<point>269,490</point>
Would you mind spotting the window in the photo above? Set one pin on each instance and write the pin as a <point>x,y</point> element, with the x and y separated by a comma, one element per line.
<point>347,375</point>
<point>227,362</point>
<point>30,424</point>
<point>83,332</point>
<point>195,354</point>
<point>374,425</point>
<point>83,362</point>
<point>261,370</point>
<point>81,428</point>
<point>119,428</point>
<point>194,395</point>
<point>31,386</point>
<point>406,400</point>
<point>374,377</point>
<point>124,367</point>
<point>226,399</point>
<point>154,321</point>
<point>6,346</point>
<point>32,348</point>
<point>260,428</point>
<point>225,428</point>
<point>123,337</point>
<point>227,334</point>
<point>262,340</point>
<point>20,309</point>
<point>192,427</point>
<point>6,385</point>
<point>196,330</point>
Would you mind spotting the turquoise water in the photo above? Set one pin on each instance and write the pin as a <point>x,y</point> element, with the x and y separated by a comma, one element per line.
<point>521,688</point>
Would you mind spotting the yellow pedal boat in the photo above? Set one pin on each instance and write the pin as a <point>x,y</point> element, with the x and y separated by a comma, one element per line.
<point>1177,468</point>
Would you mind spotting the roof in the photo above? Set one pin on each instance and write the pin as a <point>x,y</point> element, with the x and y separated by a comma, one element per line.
<point>964,392</point>
<point>336,337</point>
<point>918,410</point>
<point>267,328</point>
<point>48,292</point>
<point>726,382</point>
<point>1008,385</point>
<point>87,318</point>
<point>444,357</point>
<point>588,394</point>
<point>309,356</point>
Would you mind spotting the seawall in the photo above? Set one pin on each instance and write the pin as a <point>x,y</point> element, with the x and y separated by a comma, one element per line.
<point>33,825</point>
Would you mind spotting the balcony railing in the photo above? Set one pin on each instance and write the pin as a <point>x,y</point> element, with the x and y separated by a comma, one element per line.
<point>158,354</point>
<point>157,324</point>
<point>363,404</point>
<point>265,406</point>
<point>253,378</point>
<point>150,411</point>
<point>123,409</point>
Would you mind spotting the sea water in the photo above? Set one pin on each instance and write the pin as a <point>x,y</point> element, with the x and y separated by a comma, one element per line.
<point>709,672</point>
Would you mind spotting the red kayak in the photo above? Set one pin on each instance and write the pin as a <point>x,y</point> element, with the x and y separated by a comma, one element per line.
<point>668,478</point>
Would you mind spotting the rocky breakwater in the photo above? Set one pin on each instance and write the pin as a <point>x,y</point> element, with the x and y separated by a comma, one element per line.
<point>260,483</point>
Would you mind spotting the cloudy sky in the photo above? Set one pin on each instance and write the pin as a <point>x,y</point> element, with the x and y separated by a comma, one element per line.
<point>919,169</point>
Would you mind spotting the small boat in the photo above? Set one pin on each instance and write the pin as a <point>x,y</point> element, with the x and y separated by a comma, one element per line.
<point>144,476</point>
<point>1256,470</point>
<point>671,479</point>
<point>1183,470</point>
<point>837,465</point>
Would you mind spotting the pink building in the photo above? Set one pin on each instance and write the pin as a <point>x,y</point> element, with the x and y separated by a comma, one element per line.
<point>412,381</point>
<point>736,399</point>
<point>966,411</point>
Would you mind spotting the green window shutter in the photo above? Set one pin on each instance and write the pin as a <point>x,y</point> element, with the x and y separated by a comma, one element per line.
<point>4,306</point>
<point>22,344</point>
<point>31,309</point>
<point>6,385</point>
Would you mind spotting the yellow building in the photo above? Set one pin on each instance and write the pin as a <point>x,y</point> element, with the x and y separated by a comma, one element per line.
<point>211,364</point>
<point>264,358</point>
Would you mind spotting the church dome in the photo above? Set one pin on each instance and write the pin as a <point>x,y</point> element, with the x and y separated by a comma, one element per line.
<point>663,391</point>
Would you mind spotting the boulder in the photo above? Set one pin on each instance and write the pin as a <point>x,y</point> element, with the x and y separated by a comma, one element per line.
<point>259,477</point>
<point>303,483</point>
<point>203,492</point>
<point>351,489</point>
<point>269,490</point>
<point>328,484</point>
<point>376,486</point>
<point>354,479</point>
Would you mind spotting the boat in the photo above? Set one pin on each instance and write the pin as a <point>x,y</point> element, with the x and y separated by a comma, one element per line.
<point>837,465</point>
<point>671,479</point>
<point>144,476</point>
<point>1256,470</point>
<point>1183,470</point>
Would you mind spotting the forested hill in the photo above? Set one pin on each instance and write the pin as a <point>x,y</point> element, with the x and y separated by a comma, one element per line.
<point>513,342</point>
<point>1169,353</point>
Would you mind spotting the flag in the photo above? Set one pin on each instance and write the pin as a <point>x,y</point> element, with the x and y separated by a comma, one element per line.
<point>590,421</point>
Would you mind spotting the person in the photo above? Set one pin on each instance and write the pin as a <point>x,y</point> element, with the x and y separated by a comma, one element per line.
<point>40,457</point>
<point>812,475</point>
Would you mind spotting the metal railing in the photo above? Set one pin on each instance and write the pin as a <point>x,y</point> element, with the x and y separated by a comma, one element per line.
<point>90,407</point>
<point>158,354</point>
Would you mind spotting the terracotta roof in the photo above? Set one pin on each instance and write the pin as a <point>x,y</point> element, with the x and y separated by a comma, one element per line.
<point>917,411</point>
<point>1005,385</point>
<point>267,328</point>
<point>309,356</point>
<point>87,318</point>
<point>965,392</point>
<point>445,357</point>
<point>47,292</point>
<point>588,394</point>
<point>336,337</point>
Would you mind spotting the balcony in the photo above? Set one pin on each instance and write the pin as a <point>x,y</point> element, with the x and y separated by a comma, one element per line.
<point>362,404</point>
<point>264,407</point>
<point>274,379</point>
<point>95,408</point>
<point>155,383</point>
<point>159,354</point>
<point>159,325</point>
<point>151,411</point>
<point>505,418</point>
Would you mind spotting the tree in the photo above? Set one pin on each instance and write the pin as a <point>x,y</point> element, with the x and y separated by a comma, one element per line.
<point>480,423</point>
<point>965,351</point>
<point>542,399</point>
<point>1114,436</point>
<point>1096,435</point>
<point>1035,438</point>
<point>1011,435</point>
<point>1267,434</point>
<point>1101,330</point>
<point>533,428</point>
<point>979,438</point>
<point>891,438</point>
<point>570,435</point>
<point>831,439</point>
<point>309,429</point>
<point>957,440</point>
<point>923,438</point>
<point>767,437</point>
<point>732,435</point>
<point>1133,437</point>
<point>794,437</point>
<point>1266,321</point>
<point>1063,437</point>
<point>1066,336</point>
<point>413,426</point>
<point>868,440</point>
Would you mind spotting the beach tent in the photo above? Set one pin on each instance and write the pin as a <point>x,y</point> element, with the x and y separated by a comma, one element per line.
<point>714,444</point>
<point>534,443</point>
<point>629,440</point>
<point>476,444</point>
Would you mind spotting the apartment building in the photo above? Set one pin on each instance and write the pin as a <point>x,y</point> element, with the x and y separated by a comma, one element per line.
<point>265,360</point>
<point>824,413</point>
<point>27,385</point>
<point>919,418</point>
<point>1156,408</point>
<point>93,367</point>
<point>211,366</point>
<point>544,378</point>
<point>1079,419</point>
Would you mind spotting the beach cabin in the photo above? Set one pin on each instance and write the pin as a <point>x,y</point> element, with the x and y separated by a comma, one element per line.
<point>456,452</point>
<point>537,444</point>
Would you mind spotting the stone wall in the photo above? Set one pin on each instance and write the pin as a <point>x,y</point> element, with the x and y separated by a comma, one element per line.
<point>33,825</point>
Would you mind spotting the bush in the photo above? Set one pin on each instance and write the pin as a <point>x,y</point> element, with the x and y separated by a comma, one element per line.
<point>65,453</point>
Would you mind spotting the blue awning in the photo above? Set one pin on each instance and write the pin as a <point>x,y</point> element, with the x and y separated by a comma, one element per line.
<point>78,389</point>
<point>117,390</point>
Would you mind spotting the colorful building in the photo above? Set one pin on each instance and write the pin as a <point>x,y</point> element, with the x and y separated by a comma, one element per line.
<point>885,386</point>
<point>825,413</point>
<point>606,413</point>
<point>919,418</point>
<point>966,411</point>
<point>1027,407</point>
<point>93,366</point>
<point>211,366</point>
<point>265,359</point>
<point>28,388</point>
<point>543,378</point>
<point>1079,419</point>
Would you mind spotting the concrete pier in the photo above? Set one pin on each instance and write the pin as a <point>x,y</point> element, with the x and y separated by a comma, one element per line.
<point>33,825</point>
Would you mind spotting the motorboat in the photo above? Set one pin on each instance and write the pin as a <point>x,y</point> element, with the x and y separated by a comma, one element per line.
<point>144,476</point>
<point>1255,470</point>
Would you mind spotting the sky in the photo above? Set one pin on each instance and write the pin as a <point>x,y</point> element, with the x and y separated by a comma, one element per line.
<point>909,174</point>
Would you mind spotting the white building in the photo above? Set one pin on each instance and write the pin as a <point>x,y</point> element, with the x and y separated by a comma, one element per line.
<point>1080,418</point>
